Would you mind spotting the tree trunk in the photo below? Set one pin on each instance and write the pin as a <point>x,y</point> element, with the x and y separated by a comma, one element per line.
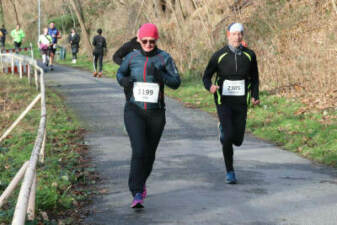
<point>2,15</point>
<point>181,10</point>
<point>83,28</point>
<point>16,13</point>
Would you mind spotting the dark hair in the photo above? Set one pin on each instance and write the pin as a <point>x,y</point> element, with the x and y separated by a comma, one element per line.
<point>99,31</point>
<point>230,25</point>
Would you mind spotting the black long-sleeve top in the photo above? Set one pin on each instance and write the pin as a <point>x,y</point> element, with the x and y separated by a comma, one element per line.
<point>125,49</point>
<point>99,43</point>
<point>231,66</point>
<point>74,40</point>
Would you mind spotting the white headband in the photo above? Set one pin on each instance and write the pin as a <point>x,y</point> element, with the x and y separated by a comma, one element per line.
<point>236,27</point>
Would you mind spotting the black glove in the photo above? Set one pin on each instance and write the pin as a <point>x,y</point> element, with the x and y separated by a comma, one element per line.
<point>126,82</point>
<point>155,72</point>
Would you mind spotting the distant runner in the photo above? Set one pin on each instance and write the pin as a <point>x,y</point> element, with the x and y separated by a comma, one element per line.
<point>74,41</point>
<point>55,34</point>
<point>124,50</point>
<point>99,43</point>
<point>3,33</point>
<point>236,76</point>
<point>17,35</point>
<point>45,43</point>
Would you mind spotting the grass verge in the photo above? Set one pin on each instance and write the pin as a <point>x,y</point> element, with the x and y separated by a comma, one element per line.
<point>63,178</point>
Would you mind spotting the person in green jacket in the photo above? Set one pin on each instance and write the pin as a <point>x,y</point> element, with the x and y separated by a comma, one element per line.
<point>17,35</point>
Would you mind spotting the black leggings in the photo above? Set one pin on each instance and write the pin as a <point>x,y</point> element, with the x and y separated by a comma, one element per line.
<point>17,45</point>
<point>145,129</point>
<point>74,51</point>
<point>99,58</point>
<point>233,121</point>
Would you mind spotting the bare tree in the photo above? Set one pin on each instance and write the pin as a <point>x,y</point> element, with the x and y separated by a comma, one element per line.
<point>2,16</point>
<point>82,24</point>
<point>16,13</point>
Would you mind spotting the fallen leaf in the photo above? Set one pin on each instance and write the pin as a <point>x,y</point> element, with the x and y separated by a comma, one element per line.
<point>44,216</point>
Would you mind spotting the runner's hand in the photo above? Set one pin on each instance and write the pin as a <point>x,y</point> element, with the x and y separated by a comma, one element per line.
<point>126,82</point>
<point>213,88</point>
<point>153,70</point>
<point>255,101</point>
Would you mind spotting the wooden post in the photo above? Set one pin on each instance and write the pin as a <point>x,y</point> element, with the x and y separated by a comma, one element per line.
<point>28,74</point>
<point>9,190</point>
<point>36,80</point>
<point>41,156</point>
<point>31,202</point>
<point>2,63</point>
<point>20,69</point>
<point>23,114</point>
<point>12,64</point>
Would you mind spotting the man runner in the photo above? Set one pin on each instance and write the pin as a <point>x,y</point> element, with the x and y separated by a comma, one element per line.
<point>55,34</point>
<point>99,43</point>
<point>17,35</point>
<point>236,76</point>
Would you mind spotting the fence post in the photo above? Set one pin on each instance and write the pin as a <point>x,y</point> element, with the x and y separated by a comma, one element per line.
<point>20,68</point>
<point>2,63</point>
<point>41,155</point>
<point>31,50</point>
<point>36,81</point>
<point>12,64</point>
<point>31,202</point>
<point>28,74</point>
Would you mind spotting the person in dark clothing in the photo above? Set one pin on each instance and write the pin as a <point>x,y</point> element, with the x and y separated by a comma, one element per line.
<point>99,43</point>
<point>236,78</point>
<point>74,41</point>
<point>3,33</point>
<point>144,73</point>
<point>125,49</point>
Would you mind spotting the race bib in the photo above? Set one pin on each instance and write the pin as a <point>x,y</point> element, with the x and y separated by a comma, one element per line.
<point>233,88</point>
<point>146,92</point>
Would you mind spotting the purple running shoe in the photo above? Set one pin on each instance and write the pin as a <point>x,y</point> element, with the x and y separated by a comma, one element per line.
<point>137,201</point>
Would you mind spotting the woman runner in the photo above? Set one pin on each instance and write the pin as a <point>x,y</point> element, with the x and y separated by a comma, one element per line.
<point>143,74</point>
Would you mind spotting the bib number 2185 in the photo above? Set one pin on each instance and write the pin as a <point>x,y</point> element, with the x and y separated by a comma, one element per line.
<point>233,88</point>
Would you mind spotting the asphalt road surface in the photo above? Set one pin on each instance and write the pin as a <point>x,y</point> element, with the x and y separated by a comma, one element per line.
<point>275,187</point>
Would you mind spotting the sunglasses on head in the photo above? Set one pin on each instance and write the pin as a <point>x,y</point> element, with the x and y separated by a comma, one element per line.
<point>150,41</point>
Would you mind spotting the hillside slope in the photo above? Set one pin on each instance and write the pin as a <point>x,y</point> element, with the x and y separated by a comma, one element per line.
<point>295,41</point>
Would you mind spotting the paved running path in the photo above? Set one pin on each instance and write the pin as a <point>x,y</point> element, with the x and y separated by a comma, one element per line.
<point>187,186</point>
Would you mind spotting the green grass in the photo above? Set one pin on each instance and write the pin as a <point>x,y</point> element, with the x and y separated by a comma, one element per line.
<point>84,62</point>
<point>310,134</point>
<point>62,172</point>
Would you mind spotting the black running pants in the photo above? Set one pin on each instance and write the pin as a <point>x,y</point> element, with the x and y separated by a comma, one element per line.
<point>145,129</point>
<point>233,120</point>
<point>98,58</point>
